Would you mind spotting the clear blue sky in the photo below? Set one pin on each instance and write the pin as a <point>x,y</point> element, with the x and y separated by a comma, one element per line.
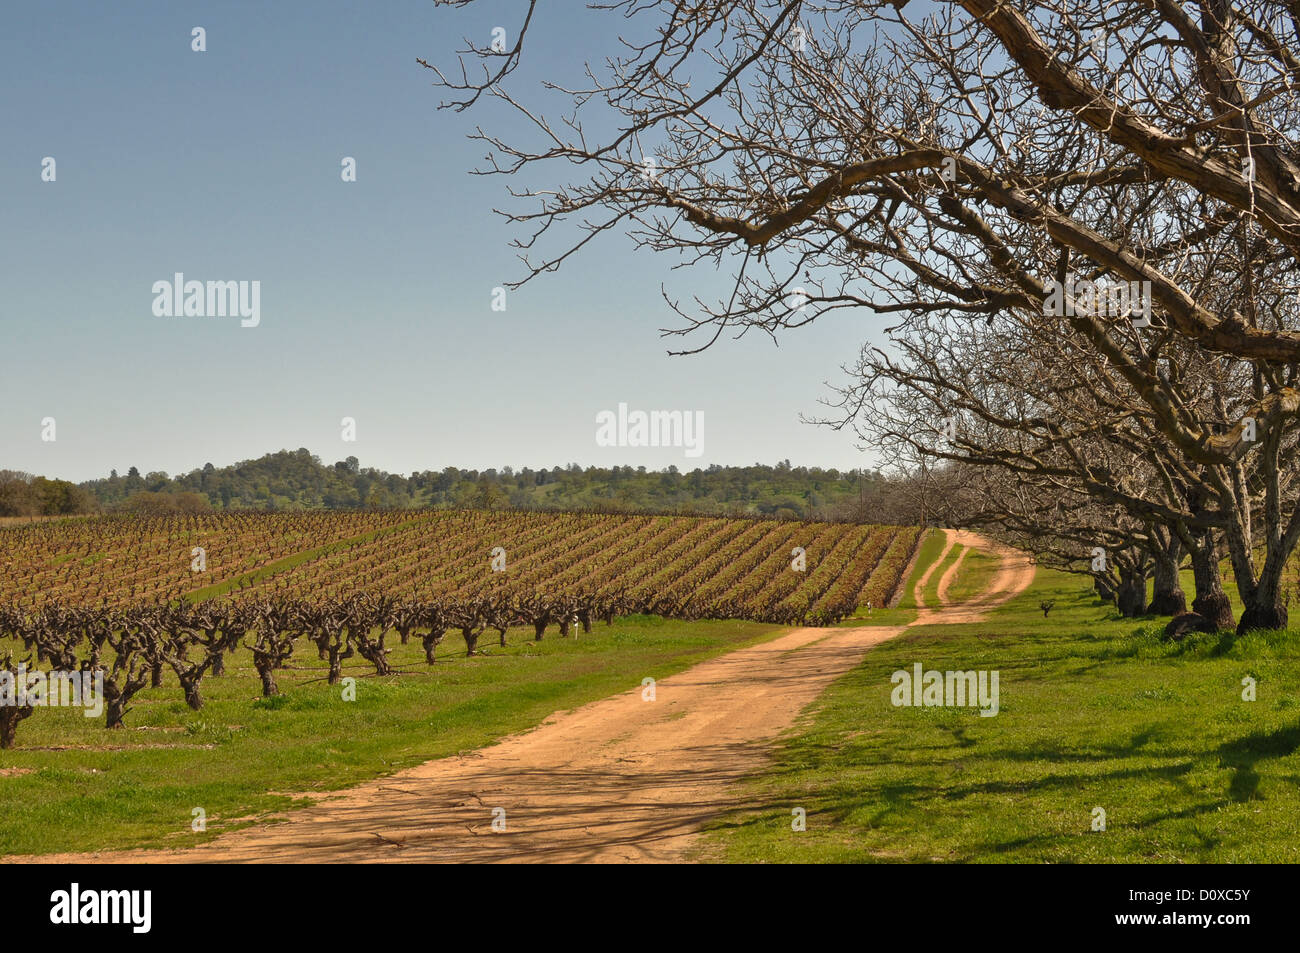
<point>374,295</point>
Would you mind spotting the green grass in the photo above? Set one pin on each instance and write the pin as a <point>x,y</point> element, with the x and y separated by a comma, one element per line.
<point>1095,711</point>
<point>70,784</point>
<point>933,545</point>
<point>974,577</point>
<point>931,591</point>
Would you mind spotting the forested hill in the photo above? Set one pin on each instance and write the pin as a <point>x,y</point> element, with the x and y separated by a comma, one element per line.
<point>297,479</point>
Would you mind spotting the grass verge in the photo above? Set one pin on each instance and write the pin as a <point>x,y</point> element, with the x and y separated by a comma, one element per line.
<point>974,577</point>
<point>1095,712</point>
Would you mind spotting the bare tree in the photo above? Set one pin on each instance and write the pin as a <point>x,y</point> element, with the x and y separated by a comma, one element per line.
<point>974,165</point>
<point>11,713</point>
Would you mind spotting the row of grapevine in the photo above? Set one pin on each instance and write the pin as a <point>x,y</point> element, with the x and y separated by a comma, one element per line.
<point>685,566</point>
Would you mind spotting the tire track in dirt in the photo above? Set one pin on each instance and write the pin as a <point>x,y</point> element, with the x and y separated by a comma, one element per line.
<point>918,591</point>
<point>619,780</point>
<point>946,580</point>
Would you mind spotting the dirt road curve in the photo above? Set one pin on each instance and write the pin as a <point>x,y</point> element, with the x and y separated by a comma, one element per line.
<point>622,779</point>
<point>1014,575</point>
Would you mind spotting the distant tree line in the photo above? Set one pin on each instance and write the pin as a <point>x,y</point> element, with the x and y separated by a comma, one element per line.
<point>22,494</point>
<point>290,480</point>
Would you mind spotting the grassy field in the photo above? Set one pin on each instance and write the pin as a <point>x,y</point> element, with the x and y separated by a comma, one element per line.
<point>930,593</point>
<point>70,784</point>
<point>1095,712</point>
<point>973,577</point>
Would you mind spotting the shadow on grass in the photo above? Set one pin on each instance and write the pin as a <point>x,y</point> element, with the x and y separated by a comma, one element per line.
<point>1243,754</point>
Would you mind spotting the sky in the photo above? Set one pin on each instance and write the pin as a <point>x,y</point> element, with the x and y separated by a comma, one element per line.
<point>375,295</point>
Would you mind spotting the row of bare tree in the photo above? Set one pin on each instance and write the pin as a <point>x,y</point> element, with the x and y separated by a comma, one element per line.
<point>1082,220</point>
<point>133,647</point>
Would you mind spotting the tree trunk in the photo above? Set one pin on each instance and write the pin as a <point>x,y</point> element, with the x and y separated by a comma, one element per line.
<point>156,675</point>
<point>1167,597</point>
<point>538,628</point>
<point>1262,615</point>
<point>1132,595</point>
<point>114,706</point>
<point>375,654</point>
<point>1105,591</point>
<point>10,715</point>
<point>1211,601</point>
<point>1261,598</point>
<point>430,642</point>
<point>1264,608</point>
<point>267,674</point>
<point>471,641</point>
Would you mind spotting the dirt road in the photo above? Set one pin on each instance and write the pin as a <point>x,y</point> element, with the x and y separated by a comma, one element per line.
<point>623,779</point>
<point>1014,575</point>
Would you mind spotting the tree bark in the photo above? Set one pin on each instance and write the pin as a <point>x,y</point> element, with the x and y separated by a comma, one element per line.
<point>430,642</point>
<point>1132,595</point>
<point>267,674</point>
<point>1211,602</point>
<point>471,640</point>
<point>10,715</point>
<point>1262,615</point>
<point>1105,591</point>
<point>1264,608</point>
<point>1167,597</point>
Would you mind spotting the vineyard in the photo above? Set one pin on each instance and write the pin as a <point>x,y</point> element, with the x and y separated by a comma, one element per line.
<point>132,600</point>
